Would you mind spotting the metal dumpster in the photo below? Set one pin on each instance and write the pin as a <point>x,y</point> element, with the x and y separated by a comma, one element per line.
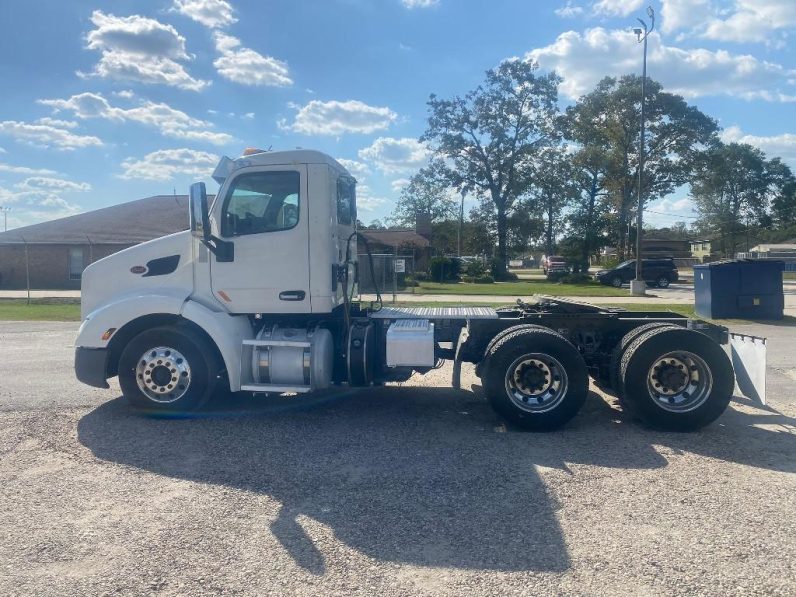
<point>739,289</point>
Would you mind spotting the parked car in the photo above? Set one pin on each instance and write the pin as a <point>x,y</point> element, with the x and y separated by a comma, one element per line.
<point>657,272</point>
<point>554,263</point>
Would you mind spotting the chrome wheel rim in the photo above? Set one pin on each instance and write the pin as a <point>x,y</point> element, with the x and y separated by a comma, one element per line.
<point>536,382</point>
<point>679,381</point>
<point>163,374</point>
<point>616,282</point>
<point>663,282</point>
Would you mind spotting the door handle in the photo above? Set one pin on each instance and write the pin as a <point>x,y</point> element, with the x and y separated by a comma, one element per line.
<point>292,295</point>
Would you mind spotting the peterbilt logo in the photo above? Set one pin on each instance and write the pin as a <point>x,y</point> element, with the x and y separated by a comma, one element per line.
<point>138,269</point>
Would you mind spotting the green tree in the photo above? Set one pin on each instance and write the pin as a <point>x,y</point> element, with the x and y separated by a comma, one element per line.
<point>554,188</point>
<point>428,192</point>
<point>490,136</point>
<point>609,117</point>
<point>735,185</point>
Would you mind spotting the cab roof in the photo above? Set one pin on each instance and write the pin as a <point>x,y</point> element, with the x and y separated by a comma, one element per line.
<point>275,158</point>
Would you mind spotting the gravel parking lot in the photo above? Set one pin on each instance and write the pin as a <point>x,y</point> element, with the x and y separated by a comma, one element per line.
<point>394,491</point>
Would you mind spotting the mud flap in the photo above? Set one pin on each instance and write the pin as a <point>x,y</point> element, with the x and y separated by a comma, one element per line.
<point>456,381</point>
<point>749,362</point>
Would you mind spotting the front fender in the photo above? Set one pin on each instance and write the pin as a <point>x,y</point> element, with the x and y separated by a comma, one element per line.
<point>118,313</point>
<point>227,331</point>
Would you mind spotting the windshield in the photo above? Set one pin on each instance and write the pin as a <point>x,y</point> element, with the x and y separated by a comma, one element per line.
<point>627,263</point>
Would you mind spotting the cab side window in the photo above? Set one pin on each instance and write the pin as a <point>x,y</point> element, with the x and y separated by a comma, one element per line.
<point>261,202</point>
<point>346,201</point>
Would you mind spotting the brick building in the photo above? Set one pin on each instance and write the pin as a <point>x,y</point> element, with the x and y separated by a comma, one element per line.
<point>55,253</point>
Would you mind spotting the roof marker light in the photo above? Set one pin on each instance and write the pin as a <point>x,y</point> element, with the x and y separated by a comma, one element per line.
<point>252,151</point>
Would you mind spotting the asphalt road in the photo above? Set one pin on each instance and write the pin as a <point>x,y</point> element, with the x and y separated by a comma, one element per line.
<point>396,491</point>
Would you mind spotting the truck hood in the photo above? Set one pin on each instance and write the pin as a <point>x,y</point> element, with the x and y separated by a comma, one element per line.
<point>162,264</point>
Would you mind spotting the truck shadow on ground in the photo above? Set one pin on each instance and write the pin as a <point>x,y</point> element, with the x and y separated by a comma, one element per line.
<point>425,476</point>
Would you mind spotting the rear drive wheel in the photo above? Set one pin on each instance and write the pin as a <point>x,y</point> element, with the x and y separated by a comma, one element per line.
<point>535,378</point>
<point>616,282</point>
<point>615,378</point>
<point>168,370</point>
<point>662,282</point>
<point>676,379</point>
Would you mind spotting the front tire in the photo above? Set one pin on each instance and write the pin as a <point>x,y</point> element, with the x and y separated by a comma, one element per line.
<point>676,379</point>
<point>535,378</point>
<point>168,370</point>
<point>616,282</point>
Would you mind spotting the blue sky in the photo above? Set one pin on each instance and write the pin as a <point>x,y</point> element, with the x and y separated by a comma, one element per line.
<point>106,102</point>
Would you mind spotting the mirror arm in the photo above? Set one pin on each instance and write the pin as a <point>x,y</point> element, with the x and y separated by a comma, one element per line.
<point>224,250</point>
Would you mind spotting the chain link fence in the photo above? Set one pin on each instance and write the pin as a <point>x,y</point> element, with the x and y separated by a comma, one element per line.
<point>393,274</point>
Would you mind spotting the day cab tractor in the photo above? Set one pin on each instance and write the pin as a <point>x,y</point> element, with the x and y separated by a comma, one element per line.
<point>257,296</point>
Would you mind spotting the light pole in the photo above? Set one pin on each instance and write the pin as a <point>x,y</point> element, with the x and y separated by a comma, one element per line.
<point>5,211</point>
<point>461,224</point>
<point>637,286</point>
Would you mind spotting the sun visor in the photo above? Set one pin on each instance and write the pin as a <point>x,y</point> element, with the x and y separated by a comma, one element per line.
<point>223,170</point>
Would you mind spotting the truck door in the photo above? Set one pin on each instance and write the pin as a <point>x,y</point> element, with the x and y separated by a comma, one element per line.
<point>264,212</point>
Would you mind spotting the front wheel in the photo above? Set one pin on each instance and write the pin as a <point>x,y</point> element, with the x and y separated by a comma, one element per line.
<point>676,379</point>
<point>616,282</point>
<point>168,370</point>
<point>662,282</point>
<point>535,378</point>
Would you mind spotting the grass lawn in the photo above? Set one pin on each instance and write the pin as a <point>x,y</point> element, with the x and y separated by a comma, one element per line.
<point>521,288</point>
<point>39,310</point>
<point>789,275</point>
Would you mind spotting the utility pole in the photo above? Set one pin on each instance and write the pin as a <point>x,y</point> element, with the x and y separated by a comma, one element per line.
<point>637,286</point>
<point>5,211</point>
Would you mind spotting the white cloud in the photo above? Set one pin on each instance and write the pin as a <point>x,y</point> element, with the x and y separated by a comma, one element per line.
<point>419,3</point>
<point>141,49</point>
<point>34,207</point>
<point>248,116</point>
<point>395,156</point>
<point>64,124</point>
<point>46,183</point>
<point>47,135</point>
<point>337,118</point>
<point>782,145</point>
<point>25,170</point>
<point>569,10</point>
<point>620,8</point>
<point>165,164</point>
<point>170,121</point>
<point>124,94</point>
<point>247,67</point>
<point>214,14</point>
<point>685,14</point>
<point>744,21</point>
<point>753,20</point>
<point>398,184</point>
<point>583,59</point>
<point>366,201</point>
<point>358,169</point>
<point>668,211</point>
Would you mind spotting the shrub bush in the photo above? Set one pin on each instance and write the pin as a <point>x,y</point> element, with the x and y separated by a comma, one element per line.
<point>421,276</point>
<point>444,269</point>
<point>485,279</point>
<point>575,279</point>
<point>476,269</point>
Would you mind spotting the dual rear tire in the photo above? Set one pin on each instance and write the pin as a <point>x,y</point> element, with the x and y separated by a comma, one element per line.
<point>534,377</point>
<point>667,376</point>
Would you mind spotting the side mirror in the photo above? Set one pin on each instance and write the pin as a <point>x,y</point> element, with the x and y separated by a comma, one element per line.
<point>199,213</point>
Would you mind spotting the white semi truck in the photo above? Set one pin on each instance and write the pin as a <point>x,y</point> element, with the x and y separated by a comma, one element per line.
<point>258,296</point>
